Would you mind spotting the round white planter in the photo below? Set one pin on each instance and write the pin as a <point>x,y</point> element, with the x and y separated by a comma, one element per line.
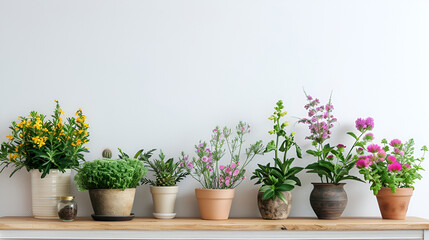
<point>164,199</point>
<point>45,192</point>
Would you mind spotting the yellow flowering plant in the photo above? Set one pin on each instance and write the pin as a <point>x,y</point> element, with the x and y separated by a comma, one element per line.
<point>40,143</point>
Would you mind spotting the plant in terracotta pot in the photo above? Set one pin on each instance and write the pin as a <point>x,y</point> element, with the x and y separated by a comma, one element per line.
<point>219,180</point>
<point>111,184</point>
<point>274,196</point>
<point>392,171</point>
<point>164,188</point>
<point>48,148</point>
<point>328,198</point>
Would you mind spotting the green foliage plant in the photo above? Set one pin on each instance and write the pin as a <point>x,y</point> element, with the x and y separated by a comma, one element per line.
<point>37,142</point>
<point>110,174</point>
<point>282,176</point>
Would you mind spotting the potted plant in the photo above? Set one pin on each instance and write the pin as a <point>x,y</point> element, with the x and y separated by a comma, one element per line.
<point>164,188</point>
<point>218,181</point>
<point>111,184</point>
<point>48,149</point>
<point>328,198</point>
<point>392,171</point>
<point>274,196</point>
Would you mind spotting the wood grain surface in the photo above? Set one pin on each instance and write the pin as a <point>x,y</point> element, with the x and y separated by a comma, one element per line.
<point>234,224</point>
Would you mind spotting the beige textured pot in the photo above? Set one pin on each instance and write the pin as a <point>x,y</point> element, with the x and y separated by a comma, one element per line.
<point>45,192</point>
<point>275,209</point>
<point>112,202</point>
<point>164,198</point>
<point>394,205</point>
<point>214,204</point>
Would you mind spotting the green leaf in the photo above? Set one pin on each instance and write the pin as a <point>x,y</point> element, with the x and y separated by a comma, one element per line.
<point>353,135</point>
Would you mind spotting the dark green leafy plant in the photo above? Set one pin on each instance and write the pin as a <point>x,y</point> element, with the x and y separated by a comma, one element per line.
<point>110,174</point>
<point>282,176</point>
<point>167,173</point>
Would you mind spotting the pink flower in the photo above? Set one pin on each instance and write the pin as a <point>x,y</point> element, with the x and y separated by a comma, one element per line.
<point>236,172</point>
<point>181,164</point>
<point>242,129</point>
<point>215,130</point>
<point>407,165</point>
<point>341,146</point>
<point>309,97</point>
<point>204,159</point>
<point>331,157</point>
<point>227,182</point>
<point>396,150</point>
<point>369,123</point>
<point>232,165</point>
<point>364,124</point>
<point>373,148</point>
<point>200,145</point>
<point>395,166</point>
<point>395,143</point>
<point>363,162</point>
<point>381,159</point>
<point>221,167</point>
<point>381,153</point>
<point>190,165</point>
<point>391,158</point>
<point>401,153</point>
<point>359,151</point>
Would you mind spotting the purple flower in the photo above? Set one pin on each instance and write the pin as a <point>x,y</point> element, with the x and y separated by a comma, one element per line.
<point>373,148</point>
<point>309,97</point>
<point>369,123</point>
<point>395,143</point>
<point>201,145</point>
<point>204,159</point>
<point>364,124</point>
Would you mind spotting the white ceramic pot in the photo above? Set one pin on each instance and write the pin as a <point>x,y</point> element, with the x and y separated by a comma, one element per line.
<point>45,192</point>
<point>164,199</point>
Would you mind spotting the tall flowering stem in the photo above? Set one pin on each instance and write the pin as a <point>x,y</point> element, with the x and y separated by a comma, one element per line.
<point>332,165</point>
<point>391,165</point>
<point>206,167</point>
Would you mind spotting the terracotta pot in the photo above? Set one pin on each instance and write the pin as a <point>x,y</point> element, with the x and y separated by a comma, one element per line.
<point>214,204</point>
<point>164,199</point>
<point>328,200</point>
<point>394,205</point>
<point>46,192</point>
<point>112,202</point>
<point>275,209</point>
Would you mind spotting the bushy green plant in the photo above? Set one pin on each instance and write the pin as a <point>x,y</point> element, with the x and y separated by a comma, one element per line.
<point>167,173</point>
<point>280,177</point>
<point>110,174</point>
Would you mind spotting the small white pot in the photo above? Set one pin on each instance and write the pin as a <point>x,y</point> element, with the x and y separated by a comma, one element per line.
<point>45,192</point>
<point>164,199</point>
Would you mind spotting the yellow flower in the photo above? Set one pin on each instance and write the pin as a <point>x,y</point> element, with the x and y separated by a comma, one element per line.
<point>21,136</point>
<point>86,125</point>
<point>78,142</point>
<point>16,149</point>
<point>283,114</point>
<point>293,133</point>
<point>60,119</point>
<point>10,137</point>
<point>61,111</point>
<point>271,118</point>
<point>80,131</point>
<point>271,132</point>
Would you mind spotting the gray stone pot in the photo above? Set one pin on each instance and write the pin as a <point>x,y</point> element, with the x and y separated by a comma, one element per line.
<point>275,209</point>
<point>112,202</point>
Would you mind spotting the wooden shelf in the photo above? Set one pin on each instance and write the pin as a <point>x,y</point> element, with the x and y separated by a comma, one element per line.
<point>234,224</point>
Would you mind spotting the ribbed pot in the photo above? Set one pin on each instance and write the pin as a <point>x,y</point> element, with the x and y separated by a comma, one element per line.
<point>328,200</point>
<point>45,192</point>
<point>394,205</point>
<point>214,204</point>
<point>164,198</point>
<point>112,202</point>
<point>275,209</point>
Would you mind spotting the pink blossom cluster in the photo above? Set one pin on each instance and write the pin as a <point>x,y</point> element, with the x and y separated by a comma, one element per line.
<point>230,173</point>
<point>364,124</point>
<point>186,162</point>
<point>205,156</point>
<point>320,119</point>
<point>377,155</point>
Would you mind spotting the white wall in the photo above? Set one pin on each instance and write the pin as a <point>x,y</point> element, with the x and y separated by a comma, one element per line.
<point>162,74</point>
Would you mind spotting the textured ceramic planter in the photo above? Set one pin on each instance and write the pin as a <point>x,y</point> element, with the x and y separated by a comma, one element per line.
<point>214,204</point>
<point>394,205</point>
<point>45,192</point>
<point>328,200</point>
<point>275,209</point>
<point>112,202</point>
<point>164,199</point>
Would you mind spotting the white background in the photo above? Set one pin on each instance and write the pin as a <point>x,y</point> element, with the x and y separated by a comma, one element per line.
<point>162,74</point>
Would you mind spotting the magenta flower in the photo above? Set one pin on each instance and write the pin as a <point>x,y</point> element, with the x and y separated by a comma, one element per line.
<point>369,123</point>
<point>391,158</point>
<point>363,162</point>
<point>359,151</point>
<point>394,166</point>
<point>232,165</point>
<point>236,172</point>
<point>330,157</point>
<point>395,143</point>
<point>309,97</point>
<point>190,165</point>
<point>364,124</point>
<point>373,148</point>
<point>381,153</point>
<point>341,146</point>
<point>407,165</point>
<point>204,159</point>
<point>401,153</point>
<point>221,167</point>
<point>396,150</point>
